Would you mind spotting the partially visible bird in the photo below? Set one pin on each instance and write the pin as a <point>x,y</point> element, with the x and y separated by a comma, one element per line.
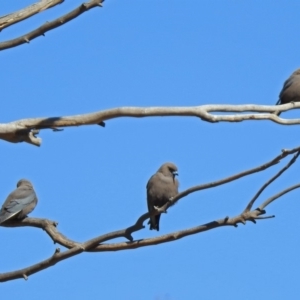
<point>290,91</point>
<point>19,203</point>
<point>161,187</point>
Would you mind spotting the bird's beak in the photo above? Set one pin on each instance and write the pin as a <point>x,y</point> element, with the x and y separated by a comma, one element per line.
<point>175,174</point>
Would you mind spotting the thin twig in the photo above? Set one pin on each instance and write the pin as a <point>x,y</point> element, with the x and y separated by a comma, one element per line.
<point>249,206</point>
<point>271,199</point>
<point>26,38</point>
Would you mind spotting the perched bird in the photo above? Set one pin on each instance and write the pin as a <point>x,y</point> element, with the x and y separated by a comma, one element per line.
<point>290,91</point>
<point>161,187</point>
<point>19,203</point>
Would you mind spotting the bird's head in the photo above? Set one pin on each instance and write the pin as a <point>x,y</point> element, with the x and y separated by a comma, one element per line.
<point>24,182</point>
<point>169,169</point>
<point>297,72</point>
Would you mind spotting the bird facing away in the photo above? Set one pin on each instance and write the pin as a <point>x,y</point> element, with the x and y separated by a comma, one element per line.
<point>161,187</point>
<point>291,90</point>
<point>19,203</point>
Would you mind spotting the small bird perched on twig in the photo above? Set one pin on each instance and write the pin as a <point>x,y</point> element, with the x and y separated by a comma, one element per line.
<point>290,91</point>
<point>19,203</point>
<point>161,187</point>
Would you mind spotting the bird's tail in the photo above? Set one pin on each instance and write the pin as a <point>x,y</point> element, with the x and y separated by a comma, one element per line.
<point>6,216</point>
<point>154,222</point>
<point>277,113</point>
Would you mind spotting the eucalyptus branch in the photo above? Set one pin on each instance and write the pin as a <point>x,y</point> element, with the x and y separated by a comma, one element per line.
<point>27,12</point>
<point>25,130</point>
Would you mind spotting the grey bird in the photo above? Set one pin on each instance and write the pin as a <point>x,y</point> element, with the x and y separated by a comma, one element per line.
<point>161,187</point>
<point>19,203</point>
<point>290,91</point>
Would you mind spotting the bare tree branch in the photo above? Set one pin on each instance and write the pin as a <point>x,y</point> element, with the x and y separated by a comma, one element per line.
<point>271,199</point>
<point>59,256</point>
<point>26,38</point>
<point>25,130</point>
<point>179,234</point>
<point>27,12</point>
<point>96,244</point>
<point>249,206</point>
<point>55,258</point>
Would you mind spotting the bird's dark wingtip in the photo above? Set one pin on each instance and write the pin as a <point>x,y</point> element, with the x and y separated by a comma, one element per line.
<point>156,227</point>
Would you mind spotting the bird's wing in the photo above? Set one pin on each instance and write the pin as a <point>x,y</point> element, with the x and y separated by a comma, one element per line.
<point>286,85</point>
<point>150,182</point>
<point>16,205</point>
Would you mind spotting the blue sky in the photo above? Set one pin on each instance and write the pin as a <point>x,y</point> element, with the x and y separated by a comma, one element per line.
<point>92,180</point>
